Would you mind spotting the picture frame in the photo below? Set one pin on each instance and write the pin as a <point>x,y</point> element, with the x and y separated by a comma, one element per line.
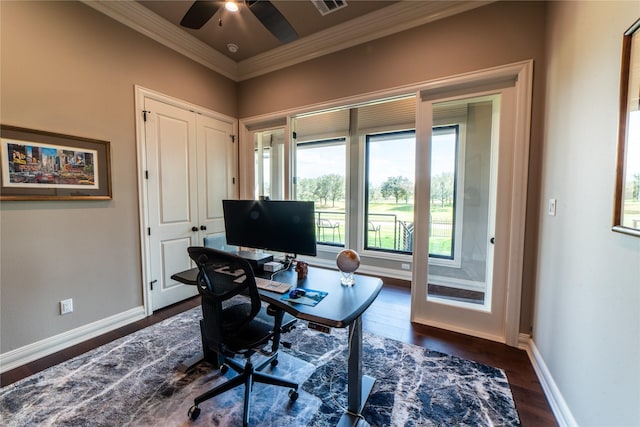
<point>626,216</point>
<point>40,165</point>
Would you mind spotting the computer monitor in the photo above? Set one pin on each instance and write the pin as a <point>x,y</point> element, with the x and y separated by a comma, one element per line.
<point>286,226</point>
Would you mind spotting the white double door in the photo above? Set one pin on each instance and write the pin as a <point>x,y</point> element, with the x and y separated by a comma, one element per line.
<point>189,169</point>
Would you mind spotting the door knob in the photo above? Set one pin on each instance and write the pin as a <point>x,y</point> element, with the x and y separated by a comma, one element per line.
<point>203,227</point>
<point>194,228</point>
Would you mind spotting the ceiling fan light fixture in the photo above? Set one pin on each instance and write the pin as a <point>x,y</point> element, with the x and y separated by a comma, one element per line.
<point>231,6</point>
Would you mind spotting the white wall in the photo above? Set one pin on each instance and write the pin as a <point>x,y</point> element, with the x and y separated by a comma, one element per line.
<point>587,306</point>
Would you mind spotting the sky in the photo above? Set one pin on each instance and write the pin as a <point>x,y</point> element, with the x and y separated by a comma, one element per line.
<point>391,158</point>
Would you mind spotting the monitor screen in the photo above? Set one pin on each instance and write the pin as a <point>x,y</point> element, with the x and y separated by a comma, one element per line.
<point>273,225</point>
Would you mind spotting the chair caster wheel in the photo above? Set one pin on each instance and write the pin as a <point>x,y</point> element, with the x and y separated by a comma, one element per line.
<point>194,412</point>
<point>274,363</point>
<point>293,395</point>
<point>224,369</point>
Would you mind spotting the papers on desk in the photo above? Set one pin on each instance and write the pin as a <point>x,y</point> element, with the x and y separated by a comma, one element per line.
<point>310,297</point>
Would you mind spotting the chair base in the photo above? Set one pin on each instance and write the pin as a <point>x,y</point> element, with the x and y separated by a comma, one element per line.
<point>248,375</point>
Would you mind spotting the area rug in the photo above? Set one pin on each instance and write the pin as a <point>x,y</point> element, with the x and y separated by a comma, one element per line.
<point>134,381</point>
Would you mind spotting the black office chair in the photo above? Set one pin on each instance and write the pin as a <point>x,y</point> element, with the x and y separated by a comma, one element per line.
<point>235,323</point>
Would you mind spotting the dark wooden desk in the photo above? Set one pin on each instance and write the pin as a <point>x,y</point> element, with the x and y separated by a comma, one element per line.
<point>342,307</point>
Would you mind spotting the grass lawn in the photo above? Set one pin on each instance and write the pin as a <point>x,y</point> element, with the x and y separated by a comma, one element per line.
<point>386,215</point>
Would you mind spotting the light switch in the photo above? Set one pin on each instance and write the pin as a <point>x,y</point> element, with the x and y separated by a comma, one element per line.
<point>552,207</point>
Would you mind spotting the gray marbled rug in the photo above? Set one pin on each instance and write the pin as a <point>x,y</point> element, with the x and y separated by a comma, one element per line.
<point>133,381</point>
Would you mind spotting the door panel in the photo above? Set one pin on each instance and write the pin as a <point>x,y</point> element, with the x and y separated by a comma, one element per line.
<point>216,154</point>
<point>173,261</point>
<point>172,199</point>
<point>469,296</point>
<point>173,173</point>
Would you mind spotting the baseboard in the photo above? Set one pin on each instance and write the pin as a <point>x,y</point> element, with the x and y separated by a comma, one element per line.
<point>20,356</point>
<point>559,406</point>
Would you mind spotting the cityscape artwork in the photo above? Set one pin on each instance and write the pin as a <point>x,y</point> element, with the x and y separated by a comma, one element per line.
<point>42,165</point>
<point>32,164</point>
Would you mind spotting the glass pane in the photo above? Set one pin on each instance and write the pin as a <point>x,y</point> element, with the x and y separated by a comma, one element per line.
<point>320,169</point>
<point>390,176</point>
<point>444,143</point>
<point>269,164</point>
<point>462,203</point>
<point>262,168</point>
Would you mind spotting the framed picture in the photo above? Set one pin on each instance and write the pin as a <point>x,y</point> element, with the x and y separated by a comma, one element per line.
<point>38,165</point>
<point>626,214</point>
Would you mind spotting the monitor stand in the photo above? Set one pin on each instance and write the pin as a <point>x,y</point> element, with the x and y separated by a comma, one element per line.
<point>256,259</point>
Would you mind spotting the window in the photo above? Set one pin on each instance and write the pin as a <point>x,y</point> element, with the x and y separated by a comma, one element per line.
<point>269,163</point>
<point>263,175</point>
<point>444,177</point>
<point>324,167</point>
<point>320,177</point>
<point>390,182</point>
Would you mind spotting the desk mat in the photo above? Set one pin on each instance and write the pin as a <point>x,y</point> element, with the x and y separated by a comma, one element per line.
<point>311,297</point>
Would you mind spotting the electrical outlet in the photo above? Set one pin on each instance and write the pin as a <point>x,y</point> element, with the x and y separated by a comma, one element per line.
<point>66,306</point>
<point>405,266</point>
<point>552,207</point>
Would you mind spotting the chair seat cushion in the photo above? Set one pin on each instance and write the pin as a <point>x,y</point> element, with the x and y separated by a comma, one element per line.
<point>253,334</point>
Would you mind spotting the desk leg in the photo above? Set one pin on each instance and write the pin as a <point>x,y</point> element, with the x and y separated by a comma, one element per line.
<point>359,386</point>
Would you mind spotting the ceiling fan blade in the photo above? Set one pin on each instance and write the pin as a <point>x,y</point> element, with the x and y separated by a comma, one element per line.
<point>199,14</point>
<point>273,20</point>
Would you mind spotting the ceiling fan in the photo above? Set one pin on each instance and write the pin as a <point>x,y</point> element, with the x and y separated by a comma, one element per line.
<point>202,11</point>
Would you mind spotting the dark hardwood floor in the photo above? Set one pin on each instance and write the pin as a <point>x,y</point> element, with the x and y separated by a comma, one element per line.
<point>389,317</point>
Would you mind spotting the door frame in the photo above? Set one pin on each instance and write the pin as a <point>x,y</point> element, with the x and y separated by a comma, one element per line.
<point>522,75</point>
<point>141,93</point>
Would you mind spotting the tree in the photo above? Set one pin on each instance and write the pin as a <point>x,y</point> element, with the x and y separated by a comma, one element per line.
<point>329,187</point>
<point>442,188</point>
<point>305,189</point>
<point>398,187</point>
<point>373,191</point>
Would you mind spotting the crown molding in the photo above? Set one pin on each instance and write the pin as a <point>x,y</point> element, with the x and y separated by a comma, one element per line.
<point>397,17</point>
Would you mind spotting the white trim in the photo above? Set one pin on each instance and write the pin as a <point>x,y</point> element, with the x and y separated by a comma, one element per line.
<point>524,94</point>
<point>456,283</point>
<point>23,355</point>
<point>559,406</point>
<point>397,17</point>
<point>456,328</point>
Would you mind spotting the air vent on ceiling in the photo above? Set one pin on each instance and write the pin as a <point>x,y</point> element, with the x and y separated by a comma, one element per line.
<point>325,7</point>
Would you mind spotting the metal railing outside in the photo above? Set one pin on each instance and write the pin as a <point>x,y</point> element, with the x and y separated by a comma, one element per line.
<point>384,231</point>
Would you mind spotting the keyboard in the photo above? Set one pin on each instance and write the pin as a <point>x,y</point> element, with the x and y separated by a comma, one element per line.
<point>272,285</point>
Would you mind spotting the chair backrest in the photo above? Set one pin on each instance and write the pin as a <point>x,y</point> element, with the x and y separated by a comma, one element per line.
<point>222,277</point>
<point>325,223</point>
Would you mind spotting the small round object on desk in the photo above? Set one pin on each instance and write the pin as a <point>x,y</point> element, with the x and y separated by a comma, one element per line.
<point>348,262</point>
